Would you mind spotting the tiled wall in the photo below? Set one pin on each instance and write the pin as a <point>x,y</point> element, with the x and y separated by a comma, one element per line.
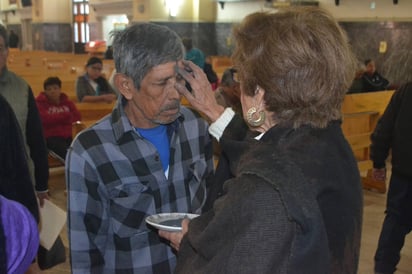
<point>365,37</point>
<point>214,39</point>
<point>52,37</point>
<point>204,35</point>
<point>396,63</point>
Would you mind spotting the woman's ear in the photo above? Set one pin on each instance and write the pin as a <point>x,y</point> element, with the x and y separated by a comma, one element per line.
<point>124,85</point>
<point>259,95</point>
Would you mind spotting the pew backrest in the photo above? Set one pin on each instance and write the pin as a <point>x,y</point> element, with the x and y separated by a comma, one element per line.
<point>361,112</point>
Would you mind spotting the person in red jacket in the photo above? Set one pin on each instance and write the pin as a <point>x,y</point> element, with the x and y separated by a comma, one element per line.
<point>57,114</point>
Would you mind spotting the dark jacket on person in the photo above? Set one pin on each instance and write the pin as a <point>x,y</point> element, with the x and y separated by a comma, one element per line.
<point>394,132</point>
<point>294,206</point>
<point>210,73</point>
<point>13,40</point>
<point>20,97</point>
<point>374,82</point>
<point>15,179</point>
<point>84,88</point>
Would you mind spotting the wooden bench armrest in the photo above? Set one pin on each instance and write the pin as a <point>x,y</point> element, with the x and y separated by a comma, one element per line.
<point>359,141</point>
<point>77,127</point>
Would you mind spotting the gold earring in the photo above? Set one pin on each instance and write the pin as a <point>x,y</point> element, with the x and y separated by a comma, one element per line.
<point>255,122</point>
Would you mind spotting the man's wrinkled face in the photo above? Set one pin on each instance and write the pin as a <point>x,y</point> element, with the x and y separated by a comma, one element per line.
<point>3,53</point>
<point>157,101</point>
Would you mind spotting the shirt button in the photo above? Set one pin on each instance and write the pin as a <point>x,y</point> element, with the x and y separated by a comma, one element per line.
<point>157,158</point>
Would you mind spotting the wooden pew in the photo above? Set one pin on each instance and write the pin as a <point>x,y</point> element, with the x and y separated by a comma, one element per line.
<point>361,112</point>
<point>54,161</point>
<point>367,101</point>
<point>94,111</point>
<point>91,113</point>
<point>357,128</point>
<point>36,66</point>
<point>220,64</point>
<point>77,127</point>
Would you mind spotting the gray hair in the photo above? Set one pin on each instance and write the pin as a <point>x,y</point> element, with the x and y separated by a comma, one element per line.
<point>142,46</point>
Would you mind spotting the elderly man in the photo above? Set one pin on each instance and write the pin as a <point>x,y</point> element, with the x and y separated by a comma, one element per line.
<point>149,156</point>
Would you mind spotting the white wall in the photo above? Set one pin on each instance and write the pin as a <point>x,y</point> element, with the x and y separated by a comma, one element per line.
<point>108,26</point>
<point>57,11</point>
<point>51,11</point>
<point>348,10</point>
<point>363,9</point>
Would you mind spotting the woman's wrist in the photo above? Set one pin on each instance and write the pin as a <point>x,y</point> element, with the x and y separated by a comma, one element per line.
<point>219,125</point>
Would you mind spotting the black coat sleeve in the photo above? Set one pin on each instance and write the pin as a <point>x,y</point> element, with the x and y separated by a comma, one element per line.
<point>37,145</point>
<point>382,136</point>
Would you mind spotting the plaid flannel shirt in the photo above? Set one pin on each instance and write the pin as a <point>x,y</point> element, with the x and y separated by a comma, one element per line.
<point>115,180</point>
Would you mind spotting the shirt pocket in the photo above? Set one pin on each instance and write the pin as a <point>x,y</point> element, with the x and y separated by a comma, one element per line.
<point>129,206</point>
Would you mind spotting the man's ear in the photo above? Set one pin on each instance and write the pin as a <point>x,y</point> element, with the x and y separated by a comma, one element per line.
<point>124,85</point>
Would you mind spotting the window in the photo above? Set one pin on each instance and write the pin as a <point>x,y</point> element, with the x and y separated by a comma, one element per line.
<point>81,34</point>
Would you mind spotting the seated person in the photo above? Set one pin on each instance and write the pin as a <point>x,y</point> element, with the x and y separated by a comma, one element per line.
<point>211,74</point>
<point>228,94</point>
<point>372,80</point>
<point>57,114</point>
<point>92,86</point>
<point>357,83</point>
<point>109,53</point>
<point>193,54</point>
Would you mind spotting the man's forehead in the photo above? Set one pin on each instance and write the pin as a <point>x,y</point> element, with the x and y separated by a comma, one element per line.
<point>164,70</point>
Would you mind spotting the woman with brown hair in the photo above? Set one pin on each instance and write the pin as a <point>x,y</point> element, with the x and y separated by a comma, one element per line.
<point>295,203</point>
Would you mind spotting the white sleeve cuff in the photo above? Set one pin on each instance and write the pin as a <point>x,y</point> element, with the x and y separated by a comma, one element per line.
<point>216,128</point>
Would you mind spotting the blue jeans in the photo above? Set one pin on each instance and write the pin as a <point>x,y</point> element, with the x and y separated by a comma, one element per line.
<point>397,224</point>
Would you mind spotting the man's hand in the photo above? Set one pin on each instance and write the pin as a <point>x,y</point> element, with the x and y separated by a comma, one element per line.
<point>175,237</point>
<point>379,174</point>
<point>42,196</point>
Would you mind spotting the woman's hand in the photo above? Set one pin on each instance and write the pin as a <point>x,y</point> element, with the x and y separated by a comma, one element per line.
<point>202,97</point>
<point>175,237</point>
<point>379,174</point>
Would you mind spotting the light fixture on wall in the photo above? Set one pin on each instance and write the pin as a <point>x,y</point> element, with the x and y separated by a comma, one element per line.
<point>173,6</point>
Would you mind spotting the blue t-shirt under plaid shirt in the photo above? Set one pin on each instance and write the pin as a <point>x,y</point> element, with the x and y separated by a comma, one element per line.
<point>158,137</point>
<point>115,180</point>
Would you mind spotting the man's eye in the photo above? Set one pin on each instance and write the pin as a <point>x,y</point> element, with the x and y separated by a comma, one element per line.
<point>163,83</point>
<point>179,78</point>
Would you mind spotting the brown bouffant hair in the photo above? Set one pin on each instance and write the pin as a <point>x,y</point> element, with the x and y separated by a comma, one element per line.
<point>301,58</point>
